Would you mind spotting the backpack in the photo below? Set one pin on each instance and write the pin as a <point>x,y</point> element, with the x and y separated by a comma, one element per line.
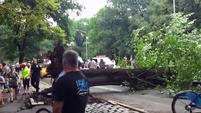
<point>2,79</point>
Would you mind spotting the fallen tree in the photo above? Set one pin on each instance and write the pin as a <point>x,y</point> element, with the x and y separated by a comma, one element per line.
<point>137,78</point>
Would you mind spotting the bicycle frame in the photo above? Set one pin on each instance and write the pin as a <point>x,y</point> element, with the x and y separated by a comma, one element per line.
<point>194,97</point>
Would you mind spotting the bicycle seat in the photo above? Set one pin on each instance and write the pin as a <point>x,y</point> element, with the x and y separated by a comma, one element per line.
<point>196,83</point>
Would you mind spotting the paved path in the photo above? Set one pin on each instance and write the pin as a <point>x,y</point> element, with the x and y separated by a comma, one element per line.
<point>17,104</point>
<point>151,100</point>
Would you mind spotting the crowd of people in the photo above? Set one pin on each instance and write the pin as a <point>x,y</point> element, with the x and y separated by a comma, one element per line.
<point>12,77</point>
<point>70,89</point>
<point>94,64</point>
<point>101,64</point>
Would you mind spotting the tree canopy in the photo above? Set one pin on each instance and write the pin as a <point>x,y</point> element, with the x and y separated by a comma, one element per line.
<point>145,29</point>
<point>148,30</point>
<point>110,31</point>
<point>24,24</point>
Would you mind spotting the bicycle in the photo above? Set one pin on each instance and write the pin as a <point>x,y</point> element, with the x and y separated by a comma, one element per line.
<point>187,101</point>
<point>43,110</point>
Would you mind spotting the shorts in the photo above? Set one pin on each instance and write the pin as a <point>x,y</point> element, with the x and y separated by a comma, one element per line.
<point>12,86</point>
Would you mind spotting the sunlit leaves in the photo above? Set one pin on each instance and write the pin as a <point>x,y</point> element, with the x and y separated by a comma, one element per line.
<point>175,47</point>
<point>57,32</point>
<point>26,19</point>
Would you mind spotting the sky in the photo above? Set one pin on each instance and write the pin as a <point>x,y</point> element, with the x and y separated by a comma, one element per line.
<point>91,8</point>
<point>1,1</point>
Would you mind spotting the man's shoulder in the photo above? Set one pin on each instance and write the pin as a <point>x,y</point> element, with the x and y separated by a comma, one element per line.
<point>64,82</point>
<point>70,77</point>
<point>76,74</point>
<point>63,79</point>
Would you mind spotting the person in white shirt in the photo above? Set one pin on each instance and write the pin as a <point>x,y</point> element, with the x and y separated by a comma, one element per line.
<point>92,64</point>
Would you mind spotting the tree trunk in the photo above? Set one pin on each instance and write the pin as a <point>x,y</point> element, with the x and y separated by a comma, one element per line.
<point>21,49</point>
<point>21,56</point>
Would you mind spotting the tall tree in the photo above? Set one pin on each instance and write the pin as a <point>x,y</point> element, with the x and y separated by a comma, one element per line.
<point>109,32</point>
<point>159,11</point>
<point>174,48</point>
<point>80,31</point>
<point>26,19</point>
<point>61,16</point>
<point>190,6</point>
<point>113,25</point>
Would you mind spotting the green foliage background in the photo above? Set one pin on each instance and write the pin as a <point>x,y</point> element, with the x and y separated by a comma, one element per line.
<point>175,48</point>
<point>145,29</point>
<point>24,26</point>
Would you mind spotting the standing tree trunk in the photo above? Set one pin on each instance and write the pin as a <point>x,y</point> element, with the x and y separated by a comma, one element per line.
<point>20,46</point>
<point>21,49</point>
<point>21,56</point>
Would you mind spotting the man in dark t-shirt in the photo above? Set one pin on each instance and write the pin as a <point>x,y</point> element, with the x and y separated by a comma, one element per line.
<point>35,75</point>
<point>71,88</point>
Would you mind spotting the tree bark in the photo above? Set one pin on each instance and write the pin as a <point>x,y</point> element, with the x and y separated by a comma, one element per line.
<point>21,56</point>
<point>21,49</point>
<point>20,46</point>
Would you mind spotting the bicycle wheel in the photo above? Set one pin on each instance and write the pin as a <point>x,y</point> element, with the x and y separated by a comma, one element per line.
<point>43,110</point>
<point>181,103</point>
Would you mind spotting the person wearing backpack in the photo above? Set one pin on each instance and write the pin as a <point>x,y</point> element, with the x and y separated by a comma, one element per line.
<point>5,71</point>
<point>13,83</point>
